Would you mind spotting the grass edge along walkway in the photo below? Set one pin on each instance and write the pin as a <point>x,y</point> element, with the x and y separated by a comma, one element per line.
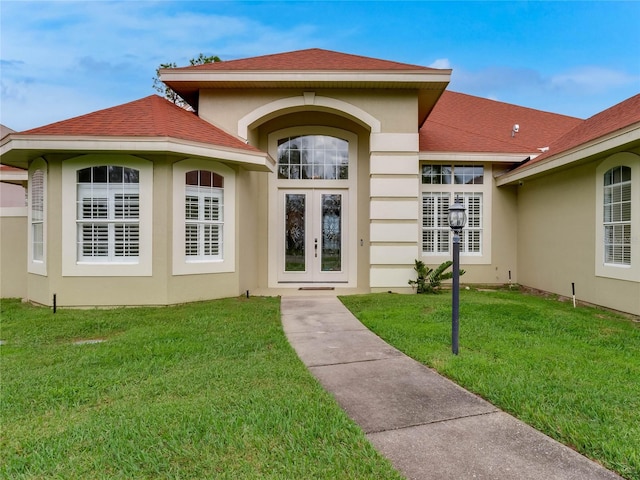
<point>204,390</point>
<point>570,373</point>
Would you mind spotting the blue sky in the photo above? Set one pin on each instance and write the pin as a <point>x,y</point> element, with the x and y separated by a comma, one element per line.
<point>62,59</point>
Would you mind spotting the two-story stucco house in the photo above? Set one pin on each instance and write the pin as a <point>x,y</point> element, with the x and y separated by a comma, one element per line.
<point>316,169</point>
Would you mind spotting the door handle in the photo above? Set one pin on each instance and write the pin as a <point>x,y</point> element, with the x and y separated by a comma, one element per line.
<point>315,247</point>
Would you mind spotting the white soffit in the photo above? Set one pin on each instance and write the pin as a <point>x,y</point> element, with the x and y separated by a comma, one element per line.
<point>230,78</point>
<point>475,157</point>
<point>14,176</point>
<point>17,150</point>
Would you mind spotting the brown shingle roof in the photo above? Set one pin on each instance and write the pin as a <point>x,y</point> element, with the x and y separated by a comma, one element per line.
<point>464,123</point>
<point>310,59</point>
<point>152,116</point>
<point>619,116</point>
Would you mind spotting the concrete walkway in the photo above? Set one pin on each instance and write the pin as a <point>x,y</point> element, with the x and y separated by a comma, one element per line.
<point>427,426</point>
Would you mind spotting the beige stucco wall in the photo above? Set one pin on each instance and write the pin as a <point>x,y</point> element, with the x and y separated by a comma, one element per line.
<point>13,252</point>
<point>556,240</point>
<point>397,110</point>
<point>504,242</point>
<point>251,214</point>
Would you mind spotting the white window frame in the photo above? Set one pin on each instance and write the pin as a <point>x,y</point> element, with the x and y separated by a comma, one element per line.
<point>478,227</point>
<point>615,270</point>
<point>37,201</point>
<point>73,263</point>
<point>436,222</point>
<point>206,205</point>
<point>183,264</point>
<point>619,237</point>
<point>435,225</point>
<point>472,233</point>
<point>316,161</point>
<point>113,210</point>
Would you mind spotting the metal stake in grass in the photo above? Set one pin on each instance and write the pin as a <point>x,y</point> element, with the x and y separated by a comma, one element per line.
<point>457,220</point>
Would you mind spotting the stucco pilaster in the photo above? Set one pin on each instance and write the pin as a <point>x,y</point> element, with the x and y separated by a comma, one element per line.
<point>394,209</point>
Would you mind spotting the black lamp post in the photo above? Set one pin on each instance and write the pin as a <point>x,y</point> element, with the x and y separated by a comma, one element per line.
<point>457,220</point>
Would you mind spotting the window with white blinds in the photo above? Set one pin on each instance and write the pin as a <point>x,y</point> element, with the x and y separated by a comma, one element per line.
<point>37,215</point>
<point>471,236</point>
<point>436,233</point>
<point>108,214</point>
<point>435,225</point>
<point>204,215</point>
<point>617,216</point>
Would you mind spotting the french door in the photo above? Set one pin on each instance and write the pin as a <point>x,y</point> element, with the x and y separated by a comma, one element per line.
<point>313,236</point>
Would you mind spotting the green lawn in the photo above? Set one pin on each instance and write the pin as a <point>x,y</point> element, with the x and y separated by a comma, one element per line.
<point>571,373</point>
<point>206,390</point>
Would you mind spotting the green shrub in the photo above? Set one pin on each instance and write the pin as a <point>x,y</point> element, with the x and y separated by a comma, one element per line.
<point>430,280</point>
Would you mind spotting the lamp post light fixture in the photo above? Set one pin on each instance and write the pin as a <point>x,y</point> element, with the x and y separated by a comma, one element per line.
<point>457,221</point>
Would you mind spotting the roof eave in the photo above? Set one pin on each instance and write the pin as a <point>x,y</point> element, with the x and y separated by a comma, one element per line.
<point>17,150</point>
<point>275,77</point>
<point>628,137</point>
<point>485,157</point>
<point>15,177</point>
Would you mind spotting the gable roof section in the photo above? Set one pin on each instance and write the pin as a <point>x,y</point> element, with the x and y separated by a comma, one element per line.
<point>309,69</point>
<point>152,116</point>
<point>309,59</point>
<point>465,123</point>
<point>151,124</point>
<point>614,128</point>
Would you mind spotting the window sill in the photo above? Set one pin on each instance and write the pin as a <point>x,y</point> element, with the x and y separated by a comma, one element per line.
<point>203,261</point>
<point>102,264</point>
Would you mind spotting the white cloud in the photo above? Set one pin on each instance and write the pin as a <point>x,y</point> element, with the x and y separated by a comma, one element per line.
<point>443,63</point>
<point>496,78</point>
<point>591,79</point>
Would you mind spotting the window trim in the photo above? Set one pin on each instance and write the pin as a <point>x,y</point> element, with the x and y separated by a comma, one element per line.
<point>352,148</point>
<point>37,266</point>
<point>612,270</point>
<point>71,265</point>
<point>485,189</point>
<point>611,223</point>
<point>204,195</point>
<point>312,162</point>
<point>466,231</point>
<point>98,193</point>
<point>181,263</point>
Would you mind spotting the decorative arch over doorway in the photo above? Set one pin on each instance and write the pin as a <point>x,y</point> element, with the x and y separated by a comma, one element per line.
<point>309,100</point>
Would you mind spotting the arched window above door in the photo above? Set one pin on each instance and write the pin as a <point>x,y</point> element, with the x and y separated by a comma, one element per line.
<point>313,157</point>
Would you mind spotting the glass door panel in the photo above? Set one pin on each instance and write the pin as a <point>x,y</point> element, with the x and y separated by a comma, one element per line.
<point>295,232</point>
<point>313,236</point>
<point>331,233</point>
